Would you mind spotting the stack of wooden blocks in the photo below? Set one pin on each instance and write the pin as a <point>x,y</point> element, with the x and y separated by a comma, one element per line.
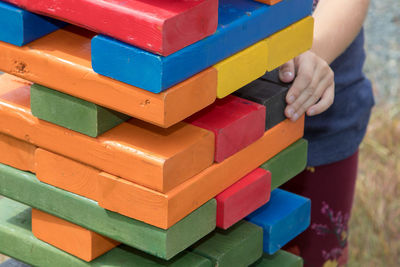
<point>129,135</point>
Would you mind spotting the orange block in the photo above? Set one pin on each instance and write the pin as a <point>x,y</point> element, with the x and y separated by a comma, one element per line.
<point>66,174</point>
<point>148,155</point>
<point>164,210</point>
<point>61,61</point>
<point>17,153</point>
<point>69,237</point>
<point>269,2</point>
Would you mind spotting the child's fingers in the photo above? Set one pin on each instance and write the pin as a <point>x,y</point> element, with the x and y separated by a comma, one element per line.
<point>302,81</point>
<point>326,101</point>
<point>287,72</point>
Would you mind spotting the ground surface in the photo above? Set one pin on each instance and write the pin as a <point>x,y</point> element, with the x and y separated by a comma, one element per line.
<point>375,223</point>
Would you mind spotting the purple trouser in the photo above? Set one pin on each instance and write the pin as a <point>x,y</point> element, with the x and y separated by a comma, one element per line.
<point>331,190</point>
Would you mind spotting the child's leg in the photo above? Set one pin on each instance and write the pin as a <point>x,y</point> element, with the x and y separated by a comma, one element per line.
<point>331,190</point>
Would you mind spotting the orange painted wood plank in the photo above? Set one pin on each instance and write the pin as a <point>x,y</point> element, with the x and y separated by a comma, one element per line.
<point>269,2</point>
<point>76,240</point>
<point>145,154</point>
<point>17,153</point>
<point>61,61</point>
<point>164,210</point>
<point>243,197</point>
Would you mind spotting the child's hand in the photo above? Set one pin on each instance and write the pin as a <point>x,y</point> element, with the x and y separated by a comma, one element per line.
<point>313,88</point>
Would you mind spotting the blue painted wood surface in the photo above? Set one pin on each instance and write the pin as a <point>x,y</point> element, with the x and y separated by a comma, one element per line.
<point>19,27</point>
<point>241,24</point>
<point>284,217</point>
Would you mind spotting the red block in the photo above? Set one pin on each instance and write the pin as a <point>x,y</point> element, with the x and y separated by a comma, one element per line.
<point>236,123</point>
<point>243,197</point>
<point>159,26</point>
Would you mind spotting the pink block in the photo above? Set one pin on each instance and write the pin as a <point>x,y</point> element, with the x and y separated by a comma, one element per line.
<point>236,123</point>
<point>243,197</point>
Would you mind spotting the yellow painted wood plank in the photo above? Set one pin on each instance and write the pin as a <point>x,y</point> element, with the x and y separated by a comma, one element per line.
<point>266,55</point>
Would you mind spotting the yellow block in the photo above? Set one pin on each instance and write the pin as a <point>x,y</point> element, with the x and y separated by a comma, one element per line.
<point>251,63</point>
<point>290,42</point>
<point>241,68</point>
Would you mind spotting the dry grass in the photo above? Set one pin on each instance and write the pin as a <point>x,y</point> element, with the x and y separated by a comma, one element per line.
<point>375,223</point>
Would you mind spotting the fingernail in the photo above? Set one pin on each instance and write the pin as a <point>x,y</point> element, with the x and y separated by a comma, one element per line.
<point>291,99</point>
<point>311,112</point>
<point>295,117</point>
<point>290,112</point>
<point>288,75</point>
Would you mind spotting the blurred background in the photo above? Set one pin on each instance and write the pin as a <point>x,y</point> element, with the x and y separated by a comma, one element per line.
<point>375,222</point>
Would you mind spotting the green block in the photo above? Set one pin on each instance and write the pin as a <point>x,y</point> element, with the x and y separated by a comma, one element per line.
<point>26,188</point>
<point>17,241</point>
<point>240,245</point>
<point>287,163</point>
<point>280,258</point>
<point>73,113</point>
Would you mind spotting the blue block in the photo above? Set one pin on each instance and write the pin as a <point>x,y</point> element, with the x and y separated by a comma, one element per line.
<point>284,217</point>
<point>241,24</point>
<point>19,27</point>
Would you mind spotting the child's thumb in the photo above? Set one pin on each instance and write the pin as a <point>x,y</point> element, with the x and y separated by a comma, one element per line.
<point>286,72</point>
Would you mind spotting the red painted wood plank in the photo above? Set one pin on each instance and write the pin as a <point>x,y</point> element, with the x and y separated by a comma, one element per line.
<point>236,123</point>
<point>159,26</point>
<point>243,197</point>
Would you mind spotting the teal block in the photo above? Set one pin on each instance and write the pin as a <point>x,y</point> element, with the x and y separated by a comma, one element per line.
<point>17,241</point>
<point>73,113</point>
<point>26,188</point>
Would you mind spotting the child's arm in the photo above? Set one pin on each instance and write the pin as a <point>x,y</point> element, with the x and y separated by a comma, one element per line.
<point>337,23</point>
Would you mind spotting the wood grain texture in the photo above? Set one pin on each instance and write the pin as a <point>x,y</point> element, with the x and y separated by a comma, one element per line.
<point>242,23</point>
<point>132,200</point>
<point>235,122</point>
<point>25,188</point>
<point>15,227</point>
<point>19,27</point>
<point>287,164</point>
<point>154,157</point>
<point>243,197</point>
<point>61,61</point>
<point>159,26</point>
<point>239,246</point>
<point>17,153</point>
<point>73,113</point>
<point>285,216</point>
<point>279,258</point>
<point>76,240</point>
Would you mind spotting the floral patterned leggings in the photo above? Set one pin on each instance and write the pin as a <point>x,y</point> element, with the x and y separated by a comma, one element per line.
<point>331,190</point>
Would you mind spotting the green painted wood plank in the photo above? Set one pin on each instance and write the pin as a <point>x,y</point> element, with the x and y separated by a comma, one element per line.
<point>17,241</point>
<point>280,258</point>
<point>26,188</point>
<point>73,113</point>
<point>238,246</point>
<point>287,163</point>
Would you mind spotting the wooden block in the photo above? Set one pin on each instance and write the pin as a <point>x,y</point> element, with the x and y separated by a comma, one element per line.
<point>73,113</point>
<point>269,2</point>
<point>239,246</point>
<point>19,27</point>
<point>287,163</point>
<point>61,61</point>
<point>235,122</point>
<point>160,26</point>
<point>24,187</point>
<point>78,241</point>
<point>15,229</point>
<point>279,258</point>
<point>154,157</point>
<point>126,198</point>
<point>241,24</point>
<point>17,153</point>
<point>243,197</point>
<point>271,95</point>
<point>284,217</point>
<point>242,68</point>
<point>67,174</point>
<point>290,42</point>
